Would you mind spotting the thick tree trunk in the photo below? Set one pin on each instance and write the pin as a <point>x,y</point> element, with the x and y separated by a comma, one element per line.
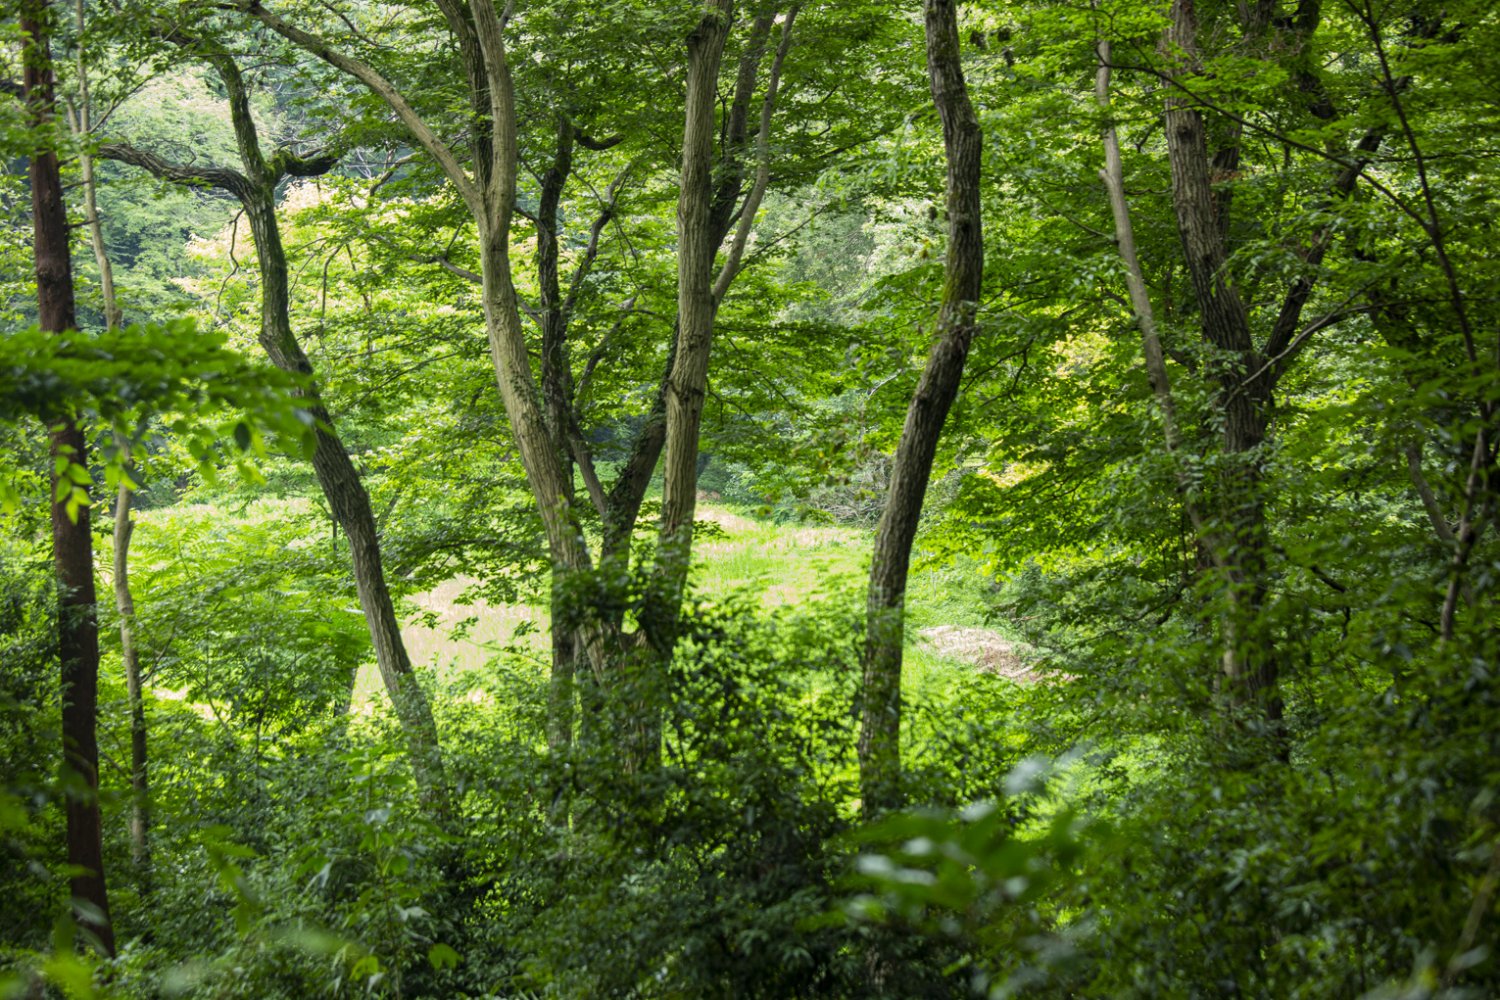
<point>698,241</point>
<point>880,722</point>
<point>1249,659</point>
<point>72,544</point>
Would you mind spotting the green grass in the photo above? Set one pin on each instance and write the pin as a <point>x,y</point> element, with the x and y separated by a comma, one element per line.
<point>780,565</point>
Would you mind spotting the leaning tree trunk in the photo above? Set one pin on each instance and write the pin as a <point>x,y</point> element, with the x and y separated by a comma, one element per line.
<point>340,481</point>
<point>72,545</point>
<point>350,503</point>
<point>880,723</point>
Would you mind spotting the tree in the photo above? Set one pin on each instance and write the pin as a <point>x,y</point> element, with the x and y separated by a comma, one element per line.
<point>81,123</point>
<point>880,706</point>
<point>255,185</point>
<point>72,543</point>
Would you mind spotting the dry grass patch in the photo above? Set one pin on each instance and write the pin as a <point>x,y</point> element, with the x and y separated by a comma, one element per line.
<point>985,648</point>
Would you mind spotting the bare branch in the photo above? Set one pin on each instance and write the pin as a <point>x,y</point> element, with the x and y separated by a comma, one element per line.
<point>763,163</point>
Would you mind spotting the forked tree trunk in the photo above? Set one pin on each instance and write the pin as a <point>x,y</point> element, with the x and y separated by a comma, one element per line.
<point>72,545</point>
<point>880,705</point>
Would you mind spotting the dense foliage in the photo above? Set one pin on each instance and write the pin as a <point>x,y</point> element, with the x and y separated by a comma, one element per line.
<point>433,668</point>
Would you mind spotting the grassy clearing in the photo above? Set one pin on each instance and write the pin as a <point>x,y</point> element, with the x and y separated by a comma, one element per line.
<point>780,565</point>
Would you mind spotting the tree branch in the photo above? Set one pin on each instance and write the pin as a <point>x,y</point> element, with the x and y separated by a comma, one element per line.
<point>382,88</point>
<point>763,163</point>
<point>223,178</point>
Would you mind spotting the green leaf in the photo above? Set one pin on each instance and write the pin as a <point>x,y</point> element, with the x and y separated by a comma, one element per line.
<point>441,957</point>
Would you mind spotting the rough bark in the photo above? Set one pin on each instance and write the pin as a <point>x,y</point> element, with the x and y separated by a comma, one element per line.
<point>1249,660</point>
<point>72,544</point>
<point>696,308</point>
<point>880,709</point>
<point>255,186</point>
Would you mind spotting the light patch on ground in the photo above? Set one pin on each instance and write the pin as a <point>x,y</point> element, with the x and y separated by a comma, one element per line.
<point>985,648</point>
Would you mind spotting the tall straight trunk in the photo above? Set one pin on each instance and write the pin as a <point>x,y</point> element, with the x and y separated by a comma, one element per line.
<point>684,388</point>
<point>72,544</point>
<point>557,398</point>
<point>1113,175</point>
<point>880,721</point>
<point>140,809</point>
<point>140,775</point>
<point>698,241</point>
<point>1249,660</point>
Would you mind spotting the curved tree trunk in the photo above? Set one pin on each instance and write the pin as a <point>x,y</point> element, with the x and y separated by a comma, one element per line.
<point>350,503</point>
<point>340,481</point>
<point>880,721</point>
<point>72,544</point>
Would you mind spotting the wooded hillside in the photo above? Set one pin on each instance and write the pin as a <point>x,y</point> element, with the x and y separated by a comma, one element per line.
<point>750,498</point>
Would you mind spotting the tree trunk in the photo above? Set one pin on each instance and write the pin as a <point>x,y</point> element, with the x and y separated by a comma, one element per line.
<point>140,805</point>
<point>1249,661</point>
<point>350,503</point>
<point>72,544</point>
<point>697,244</point>
<point>336,474</point>
<point>140,783</point>
<point>880,722</point>
<point>686,383</point>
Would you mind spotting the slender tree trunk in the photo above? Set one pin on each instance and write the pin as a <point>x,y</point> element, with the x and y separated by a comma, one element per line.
<point>1113,175</point>
<point>140,805</point>
<point>124,528</point>
<point>72,544</point>
<point>350,503</point>
<point>140,780</point>
<point>880,722</point>
<point>340,481</point>
<point>685,386</point>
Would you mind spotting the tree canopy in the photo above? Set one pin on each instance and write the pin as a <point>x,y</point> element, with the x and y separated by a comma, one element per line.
<point>767,498</point>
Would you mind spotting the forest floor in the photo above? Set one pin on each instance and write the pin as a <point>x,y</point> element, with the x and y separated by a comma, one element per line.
<point>778,565</point>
